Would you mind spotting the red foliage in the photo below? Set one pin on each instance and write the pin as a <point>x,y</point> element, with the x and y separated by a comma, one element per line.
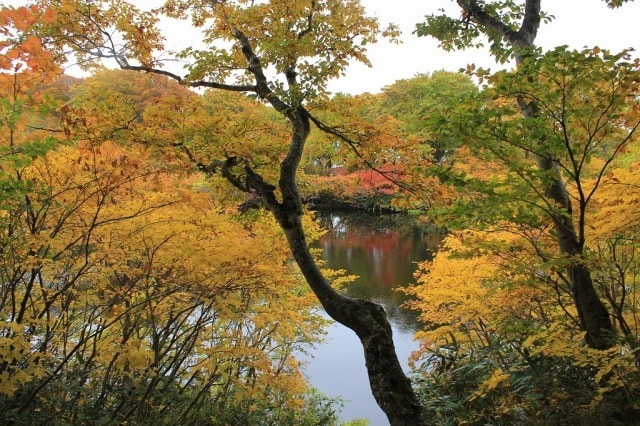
<point>380,180</point>
<point>364,182</point>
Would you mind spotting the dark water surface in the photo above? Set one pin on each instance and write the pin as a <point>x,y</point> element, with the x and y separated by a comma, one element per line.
<point>383,251</point>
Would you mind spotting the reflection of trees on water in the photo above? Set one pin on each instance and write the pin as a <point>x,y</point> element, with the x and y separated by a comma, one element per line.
<point>383,252</point>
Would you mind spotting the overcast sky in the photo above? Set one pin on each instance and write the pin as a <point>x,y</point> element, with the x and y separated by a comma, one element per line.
<point>578,23</point>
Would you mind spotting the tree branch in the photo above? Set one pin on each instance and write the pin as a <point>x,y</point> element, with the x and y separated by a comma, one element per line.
<point>353,145</point>
<point>519,39</point>
<point>255,67</point>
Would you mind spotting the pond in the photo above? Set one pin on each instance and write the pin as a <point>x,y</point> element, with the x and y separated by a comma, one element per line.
<point>383,252</point>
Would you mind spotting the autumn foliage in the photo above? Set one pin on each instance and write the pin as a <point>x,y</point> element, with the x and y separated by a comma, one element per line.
<point>503,333</point>
<point>130,291</point>
<point>142,280</point>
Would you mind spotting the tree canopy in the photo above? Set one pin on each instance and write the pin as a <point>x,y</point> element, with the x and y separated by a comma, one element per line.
<point>155,254</point>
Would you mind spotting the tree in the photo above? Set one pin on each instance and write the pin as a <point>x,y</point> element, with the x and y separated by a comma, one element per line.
<point>498,22</point>
<point>415,102</point>
<point>506,344</point>
<point>284,53</point>
<point>501,346</point>
<point>132,314</point>
<point>541,264</point>
<point>508,339</point>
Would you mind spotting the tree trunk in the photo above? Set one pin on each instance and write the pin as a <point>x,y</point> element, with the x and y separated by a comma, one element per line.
<point>591,311</point>
<point>593,315</point>
<point>390,386</point>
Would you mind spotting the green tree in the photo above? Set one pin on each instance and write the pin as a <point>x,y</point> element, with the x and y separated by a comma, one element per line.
<point>419,101</point>
<point>507,343</point>
<point>543,271</point>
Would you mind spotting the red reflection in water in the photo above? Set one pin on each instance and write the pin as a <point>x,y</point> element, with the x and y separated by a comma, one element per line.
<point>383,251</point>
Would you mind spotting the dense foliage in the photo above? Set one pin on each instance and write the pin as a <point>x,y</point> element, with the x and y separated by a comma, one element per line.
<point>143,281</point>
<point>546,209</point>
<point>131,291</point>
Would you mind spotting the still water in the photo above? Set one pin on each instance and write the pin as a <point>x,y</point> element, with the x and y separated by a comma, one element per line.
<point>383,252</point>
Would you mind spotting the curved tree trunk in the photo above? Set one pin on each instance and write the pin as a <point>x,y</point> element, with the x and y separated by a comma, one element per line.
<point>593,315</point>
<point>390,386</point>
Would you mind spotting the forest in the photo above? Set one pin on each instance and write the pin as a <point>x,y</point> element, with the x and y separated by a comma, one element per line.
<point>157,226</point>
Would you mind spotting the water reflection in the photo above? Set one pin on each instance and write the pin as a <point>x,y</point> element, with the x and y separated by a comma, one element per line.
<point>383,251</point>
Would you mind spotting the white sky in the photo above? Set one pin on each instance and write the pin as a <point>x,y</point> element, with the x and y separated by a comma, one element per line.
<point>578,23</point>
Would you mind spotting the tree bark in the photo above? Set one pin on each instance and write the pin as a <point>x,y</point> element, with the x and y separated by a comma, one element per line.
<point>593,315</point>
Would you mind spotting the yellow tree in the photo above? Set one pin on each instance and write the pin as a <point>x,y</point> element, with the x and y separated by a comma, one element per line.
<point>134,311</point>
<point>505,343</point>
<point>129,296</point>
<point>284,53</point>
